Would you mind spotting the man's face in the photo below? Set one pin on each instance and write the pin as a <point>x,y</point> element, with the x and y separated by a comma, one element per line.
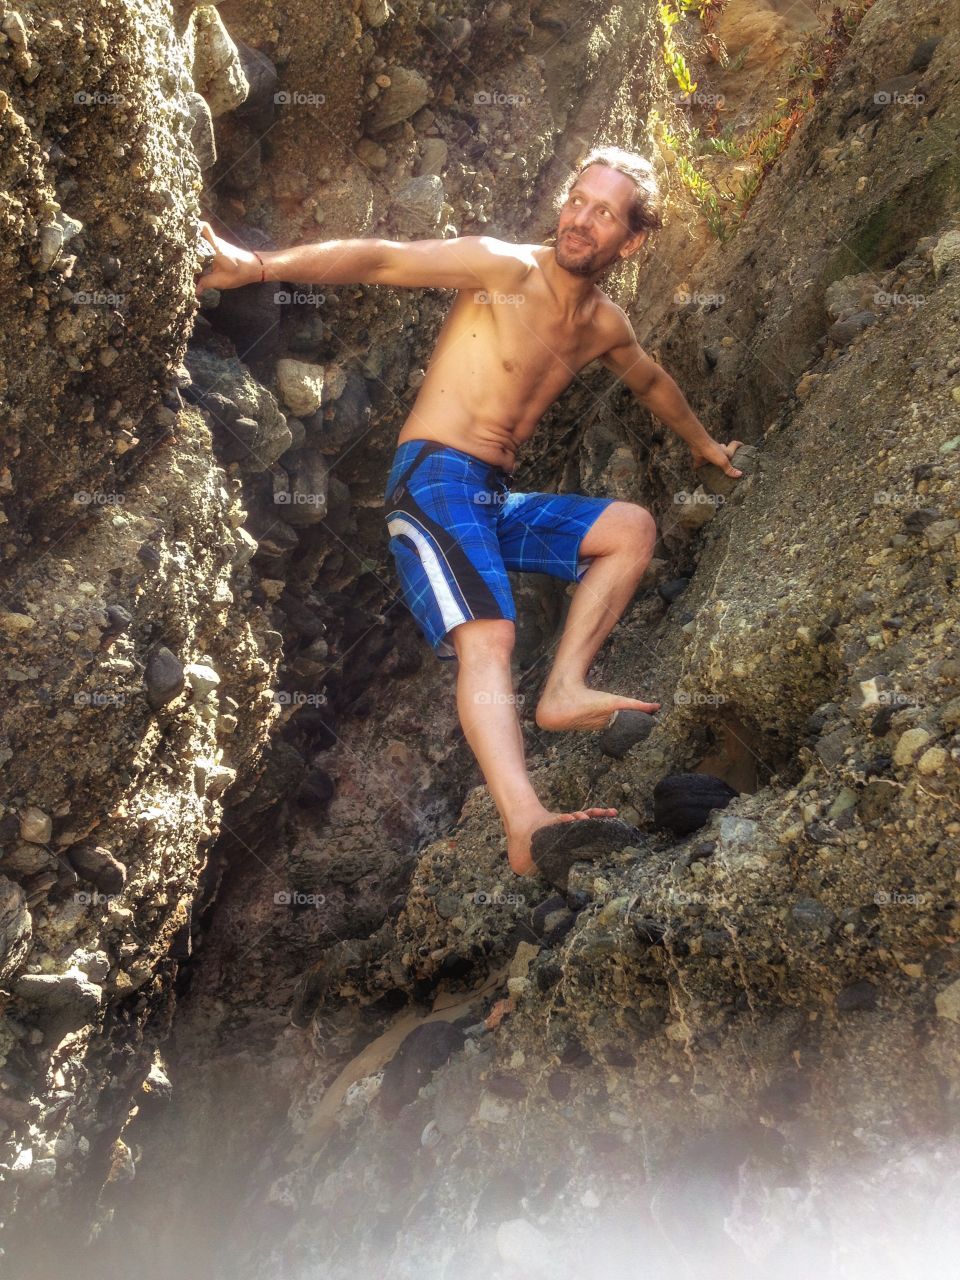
<point>593,231</point>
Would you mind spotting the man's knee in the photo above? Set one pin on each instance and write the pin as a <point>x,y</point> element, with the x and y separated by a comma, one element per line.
<point>623,526</point>
<point>484,638</point>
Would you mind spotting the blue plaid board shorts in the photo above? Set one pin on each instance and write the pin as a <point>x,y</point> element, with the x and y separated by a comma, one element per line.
<point>456,529</point>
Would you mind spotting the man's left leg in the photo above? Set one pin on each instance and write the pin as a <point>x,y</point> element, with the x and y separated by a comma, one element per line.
<point>620,544</point>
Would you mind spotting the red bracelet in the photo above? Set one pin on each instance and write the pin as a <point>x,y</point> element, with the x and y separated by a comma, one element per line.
<point>263,270</point>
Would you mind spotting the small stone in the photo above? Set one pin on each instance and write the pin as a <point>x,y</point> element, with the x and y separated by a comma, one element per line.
<point>36,827</point>
<point>909,744</point>
<point>418,206</point>
<point>859,997</point>
<point>939,533</point>
<point>933,761</point>
<point>201,678</point>
<point>300,385</point>
<point>371,154</point>
<point>15,623</point>
<point>407,93</point>
<point>163,677</point>
<point>217,71</point>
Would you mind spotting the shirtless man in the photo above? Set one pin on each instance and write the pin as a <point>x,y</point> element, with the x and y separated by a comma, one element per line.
<point>525,320</point>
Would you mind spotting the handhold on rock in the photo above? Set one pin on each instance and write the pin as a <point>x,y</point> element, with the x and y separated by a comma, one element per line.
<point>625,728</point>
<point>163,677</point>
<point>716,481</point>
<point>683,802</point>
<point>557,846</point>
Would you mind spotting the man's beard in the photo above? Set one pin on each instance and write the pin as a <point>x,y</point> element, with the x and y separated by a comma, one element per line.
<point>580,259</point>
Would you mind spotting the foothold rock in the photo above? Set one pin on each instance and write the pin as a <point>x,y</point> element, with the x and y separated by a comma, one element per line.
<point>163,677</point>
<point>98,866</point>
<point>421,1052</point>
<point>683,802</point>
<point>407,92</point>
<point>625,729</point>
<point>36,827</point>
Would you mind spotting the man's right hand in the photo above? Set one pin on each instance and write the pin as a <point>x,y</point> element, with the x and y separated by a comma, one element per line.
<point>230,266</point>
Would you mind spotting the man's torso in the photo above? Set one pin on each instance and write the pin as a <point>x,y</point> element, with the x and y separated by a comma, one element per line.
<point>501,359</point>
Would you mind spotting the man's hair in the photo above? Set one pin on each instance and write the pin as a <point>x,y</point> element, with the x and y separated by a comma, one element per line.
<point>646,208</point>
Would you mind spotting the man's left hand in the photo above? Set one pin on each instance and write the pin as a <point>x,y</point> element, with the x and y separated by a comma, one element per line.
<point>718,454</point>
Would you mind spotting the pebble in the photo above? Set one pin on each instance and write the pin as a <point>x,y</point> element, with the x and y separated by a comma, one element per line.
<point>201,678</point>
<point>947,1002</point>
<point>163,677</point>
<point>418,206</point>
<point>36,827</point>
<point>625,729</point>
<point>909,744</point>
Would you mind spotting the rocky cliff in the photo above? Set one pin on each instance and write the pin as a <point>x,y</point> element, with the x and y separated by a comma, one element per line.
<point>273,1002</point>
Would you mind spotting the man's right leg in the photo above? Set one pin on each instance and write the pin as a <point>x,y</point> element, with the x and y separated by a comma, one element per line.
<point>487,709</point>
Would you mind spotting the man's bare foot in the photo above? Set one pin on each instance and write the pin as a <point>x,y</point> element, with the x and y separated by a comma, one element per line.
<point>518,836</point>
<point>578,707</point>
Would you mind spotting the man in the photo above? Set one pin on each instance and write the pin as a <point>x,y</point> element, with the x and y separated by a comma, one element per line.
<point>526,319</point>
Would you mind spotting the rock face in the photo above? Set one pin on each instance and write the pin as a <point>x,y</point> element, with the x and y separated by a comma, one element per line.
<point>274,1003</point>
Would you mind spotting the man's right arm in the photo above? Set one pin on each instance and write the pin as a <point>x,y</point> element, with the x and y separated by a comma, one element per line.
<point>468,262</point>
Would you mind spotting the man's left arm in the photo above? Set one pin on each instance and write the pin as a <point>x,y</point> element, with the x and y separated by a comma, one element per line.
<point>655,389</point>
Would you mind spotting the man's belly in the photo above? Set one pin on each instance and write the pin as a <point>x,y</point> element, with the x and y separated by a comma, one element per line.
<point>496,445</point>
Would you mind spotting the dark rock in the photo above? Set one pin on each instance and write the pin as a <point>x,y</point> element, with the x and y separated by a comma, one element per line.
<point>672,590</point>
<point>504,1085</point>
<point>683,802</point>
<point>148,554</point>
<point>259,107</point>
<point>648,932</point>
<point>98,866</point>
<point>917,521</point>
<point>422,1051</point>
<point>859,997</point>
<point>558,1085</point>
<point>811,916</point>
<point>163,677</point>
<point>923,53</point>
<point>843,331</point>
<point>625,730</point>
